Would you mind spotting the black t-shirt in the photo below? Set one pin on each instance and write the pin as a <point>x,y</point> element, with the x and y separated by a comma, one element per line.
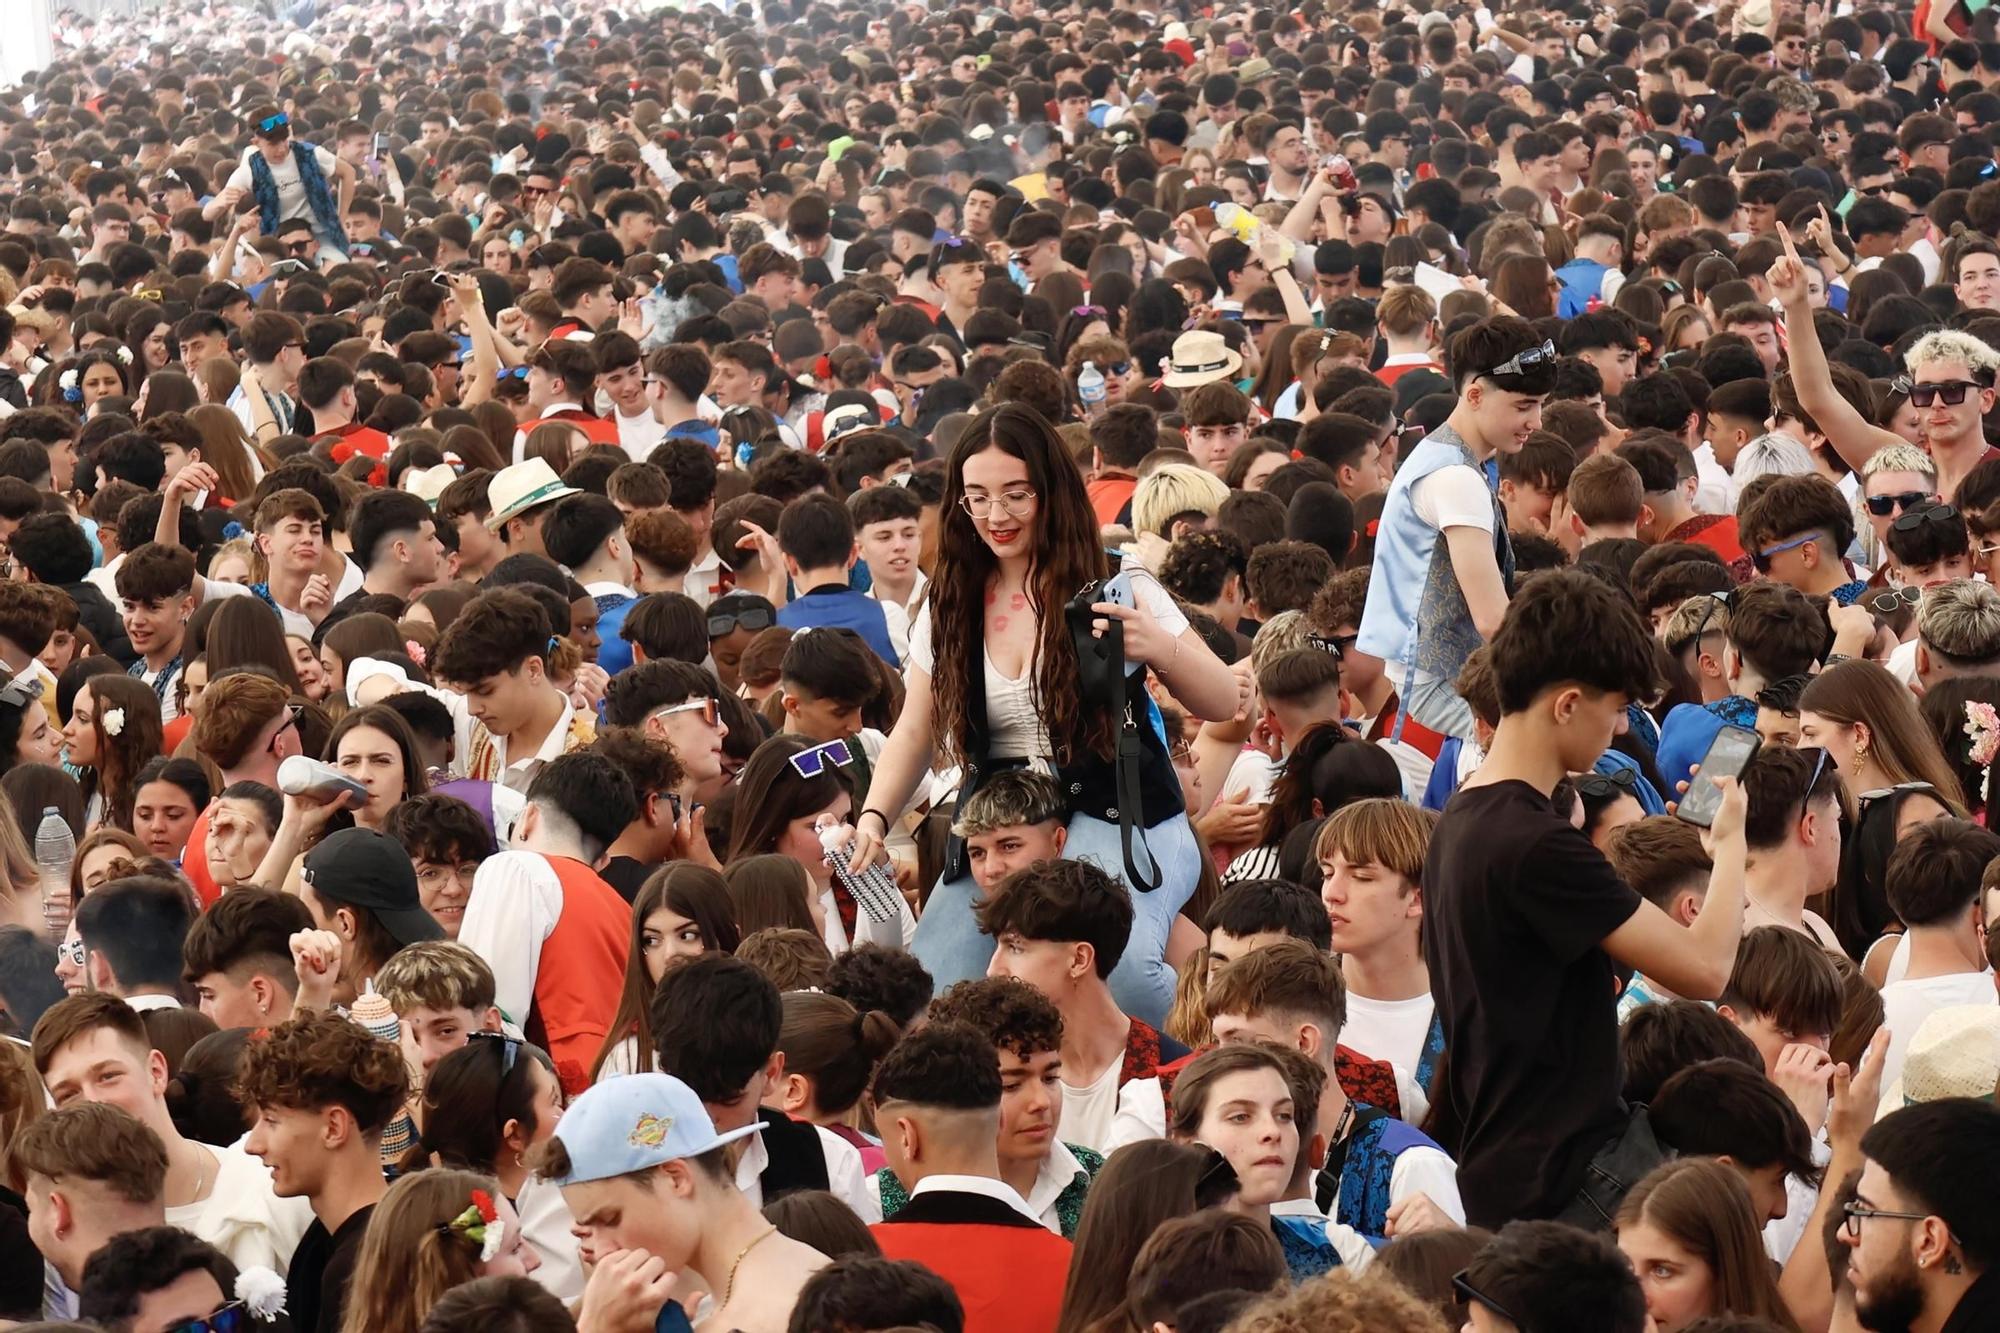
<point>316,1281</point>
<point>1517,902</point>
<point>626,875</point>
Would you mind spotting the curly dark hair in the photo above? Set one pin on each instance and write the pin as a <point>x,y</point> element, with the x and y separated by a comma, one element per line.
<point>323,1059</point>
<point>873,976</point>
<point>1014,1015</point>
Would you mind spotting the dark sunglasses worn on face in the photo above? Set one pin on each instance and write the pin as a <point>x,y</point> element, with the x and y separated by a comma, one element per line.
<point>1884,505</point>
<point>1950,392</point>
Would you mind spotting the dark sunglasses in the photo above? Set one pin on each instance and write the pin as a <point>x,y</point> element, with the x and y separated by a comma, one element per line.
<point>510,1048</point>
<point>811,763</point>
<point>1952,392</point>
<point>750,618</point>
<point>230,1318</point>
<point>1884,505</point>
<point>1521,361</point>
<point>1943,515</point>
<point>1606,786</point>
<point>271,125</point>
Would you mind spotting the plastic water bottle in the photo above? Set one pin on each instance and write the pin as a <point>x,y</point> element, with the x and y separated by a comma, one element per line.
<point>55,852</point>
<point>1090,388</point>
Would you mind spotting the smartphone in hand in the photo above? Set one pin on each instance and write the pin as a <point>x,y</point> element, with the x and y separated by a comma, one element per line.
<point>1728,755</point>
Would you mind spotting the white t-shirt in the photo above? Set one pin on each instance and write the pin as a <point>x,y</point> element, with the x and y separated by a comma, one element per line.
<point>292,201</point>
<point>1906,1004</point>
<point>1454,497</point>
<point>1088,1111</point>
<point>1392,1030</point>
<point>242,1216</point>
<point>639,435</point>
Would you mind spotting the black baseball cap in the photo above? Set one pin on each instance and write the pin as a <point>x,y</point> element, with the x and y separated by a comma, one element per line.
<point>365,868</point>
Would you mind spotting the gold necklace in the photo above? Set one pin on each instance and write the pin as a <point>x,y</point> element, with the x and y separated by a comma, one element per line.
<point>729,1287</point>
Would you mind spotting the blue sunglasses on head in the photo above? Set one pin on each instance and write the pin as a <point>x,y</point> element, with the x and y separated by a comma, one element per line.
<point>270,123</point>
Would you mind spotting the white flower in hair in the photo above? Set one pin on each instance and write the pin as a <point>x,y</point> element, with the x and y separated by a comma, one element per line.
<point>262,1292</point>
<point>489,1244</point>
<point>124,353</point>
<point>67,380</point>
<point>113,722</point>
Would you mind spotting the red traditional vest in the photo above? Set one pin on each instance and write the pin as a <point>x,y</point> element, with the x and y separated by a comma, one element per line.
<point>581,974</point>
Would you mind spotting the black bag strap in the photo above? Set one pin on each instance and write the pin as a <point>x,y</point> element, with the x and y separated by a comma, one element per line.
<point>1100,669</point>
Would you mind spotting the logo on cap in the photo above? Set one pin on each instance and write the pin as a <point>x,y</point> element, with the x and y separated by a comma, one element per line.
<point>650,1131</point>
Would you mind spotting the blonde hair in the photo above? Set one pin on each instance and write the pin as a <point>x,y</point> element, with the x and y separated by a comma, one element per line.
<point>1948,345</point>
<point>1173,490</point>
<point>1281,634</point>
<point>1895,458</point>
<point>409,1253</point>
<point>1393,834</point>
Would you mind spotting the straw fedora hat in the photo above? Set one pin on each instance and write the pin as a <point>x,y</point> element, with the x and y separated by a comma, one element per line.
<point>1200,357</point>
<point>517,489</point>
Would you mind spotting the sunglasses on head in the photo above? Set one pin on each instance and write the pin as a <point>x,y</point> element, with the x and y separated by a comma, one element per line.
<point>1762,558</point>
<point>750,618</point>
<point>271,125</point>
<point>1884,505</point>
<point>1942,514</point>
<point>1521,361</point>
<point>231,1318</point>
<point>510,1048</point>
<point>811,763</point>
<point>1605,786</point>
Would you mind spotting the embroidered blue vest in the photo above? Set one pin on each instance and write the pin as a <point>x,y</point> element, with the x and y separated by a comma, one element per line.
<point>319,196</point>
<point>1416,613</point>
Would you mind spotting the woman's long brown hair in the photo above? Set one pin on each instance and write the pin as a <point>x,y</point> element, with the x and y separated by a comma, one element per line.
<point>1068,553</point>
<point>120,757</point>
<point>689,890</point>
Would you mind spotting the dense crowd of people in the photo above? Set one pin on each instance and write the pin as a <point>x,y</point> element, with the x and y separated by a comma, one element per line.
<point>1050,669</point>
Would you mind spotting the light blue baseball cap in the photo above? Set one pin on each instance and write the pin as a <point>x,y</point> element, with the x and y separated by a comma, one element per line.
<point>634,1123</point>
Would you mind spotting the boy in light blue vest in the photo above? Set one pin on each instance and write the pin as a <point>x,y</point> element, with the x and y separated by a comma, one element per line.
<point>1600,250</point>
<point>1443,564</point>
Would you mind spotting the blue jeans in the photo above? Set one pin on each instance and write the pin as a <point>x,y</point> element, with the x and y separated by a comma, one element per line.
<point>949,943</point>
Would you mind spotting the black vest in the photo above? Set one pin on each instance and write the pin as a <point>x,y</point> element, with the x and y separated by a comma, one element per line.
<point>797,1161</point>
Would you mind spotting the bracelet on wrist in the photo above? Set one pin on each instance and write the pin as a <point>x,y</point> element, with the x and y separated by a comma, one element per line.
<point>878,814</point>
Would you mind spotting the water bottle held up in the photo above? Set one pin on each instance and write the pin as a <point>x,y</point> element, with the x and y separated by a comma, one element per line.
<point>1090,388</point>
<point>55,853</point>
